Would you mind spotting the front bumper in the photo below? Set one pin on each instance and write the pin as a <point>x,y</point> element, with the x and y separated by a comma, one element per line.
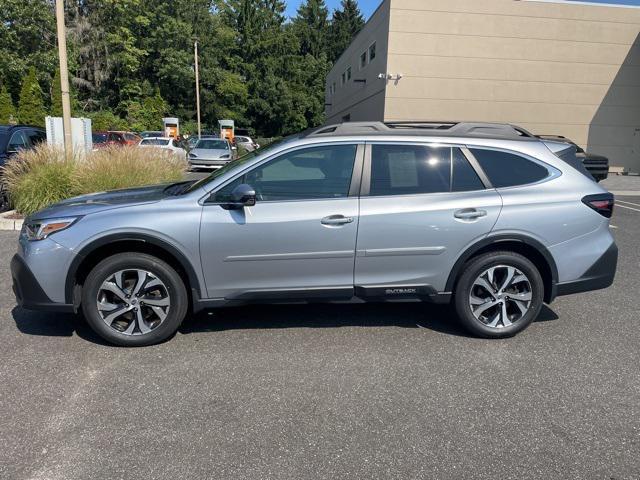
<point>600,275</point>
<point>29,294</point>
<point>200,163</point>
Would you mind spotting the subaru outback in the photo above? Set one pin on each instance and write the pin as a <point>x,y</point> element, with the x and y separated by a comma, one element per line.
<point>486,217</point>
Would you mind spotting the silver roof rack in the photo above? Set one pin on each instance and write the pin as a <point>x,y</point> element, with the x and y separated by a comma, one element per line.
<point>456,129</point>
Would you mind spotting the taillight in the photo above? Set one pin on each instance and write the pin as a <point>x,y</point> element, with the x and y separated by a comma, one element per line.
<point>601,203</point>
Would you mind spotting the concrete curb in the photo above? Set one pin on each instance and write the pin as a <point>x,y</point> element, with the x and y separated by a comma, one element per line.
<point>10,223</point>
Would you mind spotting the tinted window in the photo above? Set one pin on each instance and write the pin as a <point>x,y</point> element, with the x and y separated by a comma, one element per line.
<point>409,169</point>
<point>18,141</point>
<point>508,169</point>
<point>36,137</point>
<point>311,173</point>
<point>99,137</point>
<point>465,178</point>
<point>155,141</point>
<point>213,144</point>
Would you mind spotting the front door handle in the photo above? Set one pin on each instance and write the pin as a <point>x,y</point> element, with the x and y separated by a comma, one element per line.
<point>334,220</point>
<point>469,214</point>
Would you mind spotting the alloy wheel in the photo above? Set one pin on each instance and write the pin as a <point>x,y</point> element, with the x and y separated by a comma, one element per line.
<point>500,296</point>
<point>133,302</point>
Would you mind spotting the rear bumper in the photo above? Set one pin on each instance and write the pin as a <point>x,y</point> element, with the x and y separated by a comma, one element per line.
<point>600,275</point>
<point>29,294</point>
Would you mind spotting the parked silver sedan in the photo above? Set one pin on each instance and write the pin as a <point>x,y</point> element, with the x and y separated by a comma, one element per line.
<point>210,153</point>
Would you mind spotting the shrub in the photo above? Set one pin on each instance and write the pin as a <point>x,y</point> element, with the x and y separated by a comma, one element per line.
<point>123,167</point>
<point>40,177</point>
<point>37,178</point>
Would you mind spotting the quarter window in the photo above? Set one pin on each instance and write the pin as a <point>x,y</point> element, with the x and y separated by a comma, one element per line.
<point>348,74</point>
<point>306,174</point>
<point>508,169</point>
<point>363,60</point>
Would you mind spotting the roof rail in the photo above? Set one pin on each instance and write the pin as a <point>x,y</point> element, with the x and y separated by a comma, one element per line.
<point>458,129</point>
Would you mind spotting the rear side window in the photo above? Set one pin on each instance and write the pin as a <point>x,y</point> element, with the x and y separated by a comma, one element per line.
<point>508,169</point>
<point>419,169</point>
<point>409,170</point>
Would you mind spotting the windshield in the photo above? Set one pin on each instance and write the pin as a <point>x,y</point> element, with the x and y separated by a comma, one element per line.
<point>238,163</point>
<point>213,145</point>
<point>99,137</point>
<point>154,141</point>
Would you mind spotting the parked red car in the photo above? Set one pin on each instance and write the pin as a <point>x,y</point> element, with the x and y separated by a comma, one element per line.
<point>112,138</point>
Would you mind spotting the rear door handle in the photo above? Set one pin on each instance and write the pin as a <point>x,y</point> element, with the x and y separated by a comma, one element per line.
<point>334,220</point>
<point>469,213</point>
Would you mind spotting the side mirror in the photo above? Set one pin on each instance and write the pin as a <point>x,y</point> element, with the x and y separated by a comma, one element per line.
<point>242,196</point>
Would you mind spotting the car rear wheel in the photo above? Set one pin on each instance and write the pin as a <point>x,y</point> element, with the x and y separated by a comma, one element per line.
<point>134,299</point>
<point>499,294</point>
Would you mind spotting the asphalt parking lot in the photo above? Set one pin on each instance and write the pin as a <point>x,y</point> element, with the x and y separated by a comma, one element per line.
<point>330,392</point>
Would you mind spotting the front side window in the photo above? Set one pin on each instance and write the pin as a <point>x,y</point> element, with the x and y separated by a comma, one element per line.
<point>348,73</point>
<point>508,169</point>
<point>306,174</point>
<point>344,78</point>
<point>363,60</point>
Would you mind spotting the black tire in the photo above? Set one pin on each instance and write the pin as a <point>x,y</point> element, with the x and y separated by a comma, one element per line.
<point>473,270</point>
<point>172,283</point>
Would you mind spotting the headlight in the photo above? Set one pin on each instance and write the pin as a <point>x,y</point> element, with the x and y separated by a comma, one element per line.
<point>41,229</point>
<point>193,155</point>
<point>225,156</point>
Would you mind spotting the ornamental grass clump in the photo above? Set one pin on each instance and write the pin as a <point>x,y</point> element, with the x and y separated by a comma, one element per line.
<point>37,178</point>
<point>124,167</point>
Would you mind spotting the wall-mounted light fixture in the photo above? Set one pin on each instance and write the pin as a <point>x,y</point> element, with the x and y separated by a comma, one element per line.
<point>390,76</point>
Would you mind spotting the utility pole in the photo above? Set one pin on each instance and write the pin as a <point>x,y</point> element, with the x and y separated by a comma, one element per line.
<point>195,48</point>
<point>64,77</point>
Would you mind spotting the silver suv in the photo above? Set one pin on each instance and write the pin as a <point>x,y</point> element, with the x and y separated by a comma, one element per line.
<point>484,216</point>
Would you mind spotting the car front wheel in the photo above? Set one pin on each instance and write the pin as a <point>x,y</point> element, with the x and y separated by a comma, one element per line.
<point>134,299</point>
<point>499,294</point>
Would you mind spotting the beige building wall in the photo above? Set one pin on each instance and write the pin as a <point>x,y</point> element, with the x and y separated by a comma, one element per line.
<point>551,67</point>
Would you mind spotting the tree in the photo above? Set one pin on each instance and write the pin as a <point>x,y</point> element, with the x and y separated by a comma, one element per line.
<point>31,105</point>
<point>311,26</point>
<point>7,110</point>
<point>56,95</point>
<point>346,23</point>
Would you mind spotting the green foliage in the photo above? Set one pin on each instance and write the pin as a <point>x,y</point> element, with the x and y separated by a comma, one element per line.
<point>7,110</point>
<point>31,104</point>
<point>347,22</point>
<point>147,114</point>
<point>106,120</point>
<point>311,26</point>
<point>131,61</point>
<point>56,96</point>
<point>37,178</point>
